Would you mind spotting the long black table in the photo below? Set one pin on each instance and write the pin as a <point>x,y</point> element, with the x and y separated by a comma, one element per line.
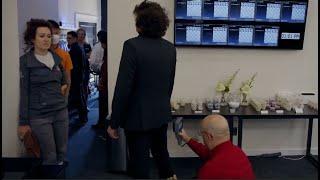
<point>248,112</point>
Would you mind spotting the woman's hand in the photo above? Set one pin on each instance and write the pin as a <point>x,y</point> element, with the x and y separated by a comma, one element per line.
<point>64,89</point>
<point>22,130</point>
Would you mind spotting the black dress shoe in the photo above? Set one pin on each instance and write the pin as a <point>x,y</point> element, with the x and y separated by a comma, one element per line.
<point>83,121</point>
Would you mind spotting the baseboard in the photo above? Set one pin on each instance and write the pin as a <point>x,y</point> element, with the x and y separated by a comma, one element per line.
<point>18,164</point>
<point>288,152</point>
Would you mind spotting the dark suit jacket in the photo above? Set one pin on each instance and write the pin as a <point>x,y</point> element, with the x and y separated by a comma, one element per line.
<point>144,85</point>
<point>78,62</point>
<point>77,94</point>
<point>103,78</point>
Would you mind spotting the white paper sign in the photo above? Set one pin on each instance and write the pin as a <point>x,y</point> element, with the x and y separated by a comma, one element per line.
<point>198,112</point>
<point>264,112</point>
<point>279,111</point>
<point>298,110</point>
<point>216,111</point>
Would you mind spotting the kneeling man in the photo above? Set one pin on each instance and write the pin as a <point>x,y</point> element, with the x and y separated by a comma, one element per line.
<point>223,160</point>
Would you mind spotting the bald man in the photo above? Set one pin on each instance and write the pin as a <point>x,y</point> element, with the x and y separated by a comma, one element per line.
<point>223,160</point>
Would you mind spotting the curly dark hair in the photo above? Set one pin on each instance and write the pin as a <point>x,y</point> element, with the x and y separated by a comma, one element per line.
<point>54,24</point>
<point>30,32</point>
<point>151,19</point>
<point>102,36</point>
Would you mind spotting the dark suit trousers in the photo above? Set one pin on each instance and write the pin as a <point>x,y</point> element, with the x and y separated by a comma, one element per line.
<point>78,100</point>
<point>103,107</point>
<point>139,145</point>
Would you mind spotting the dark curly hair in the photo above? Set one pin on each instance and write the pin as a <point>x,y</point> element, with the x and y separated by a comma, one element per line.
<point>102,36</point>
<point>30,32</point>
<point>54,24</point>
<point>151,19</point>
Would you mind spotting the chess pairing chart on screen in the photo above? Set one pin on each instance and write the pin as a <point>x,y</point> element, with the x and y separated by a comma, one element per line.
<point>247,10</point>
<point>273,11</point>
<point>221,9</point>
<point>271,36</point>
<point>245,35</point>
<point>220,34</point>
<point>194,8</point>
<point>298,12</point>
<point>193,34</point>
<point>212,23</point>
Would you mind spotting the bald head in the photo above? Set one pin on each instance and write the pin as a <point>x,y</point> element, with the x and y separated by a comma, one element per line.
<point>217,125</point>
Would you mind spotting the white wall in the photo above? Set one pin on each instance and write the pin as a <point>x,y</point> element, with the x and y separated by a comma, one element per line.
<point>69,8</point>
<point>58,10</point>
<point>199,69</point>
<point>10,66</point>
<point>39,9</point>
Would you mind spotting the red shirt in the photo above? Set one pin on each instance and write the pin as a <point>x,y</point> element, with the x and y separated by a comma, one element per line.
<point>225,161</point>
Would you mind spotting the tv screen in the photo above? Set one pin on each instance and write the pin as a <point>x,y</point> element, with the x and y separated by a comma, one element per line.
<point>241,23</point>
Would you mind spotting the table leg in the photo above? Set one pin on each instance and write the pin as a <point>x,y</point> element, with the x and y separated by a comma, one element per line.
<point>308,152</point>
<point>231,128</point>
<point>240,132</point>
<point>310,127</point>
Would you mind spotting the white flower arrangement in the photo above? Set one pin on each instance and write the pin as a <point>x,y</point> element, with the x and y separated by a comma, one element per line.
<point>225,86</point>
<point>247,85</point>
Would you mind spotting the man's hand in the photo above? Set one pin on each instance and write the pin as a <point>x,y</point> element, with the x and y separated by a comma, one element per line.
<point>184,136</point>
<point>22,130</point>
<point>64,89</point>
<point>113,133</point>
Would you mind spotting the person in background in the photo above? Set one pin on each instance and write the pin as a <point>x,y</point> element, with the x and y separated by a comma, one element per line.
<point>96,57</point>
<point>43,106</point>
<point>77,97</point>
<point>86,48</point>
<point>141,101</point>
<point>223,160</point>
<point>65,57</point>
<point>102,65</point>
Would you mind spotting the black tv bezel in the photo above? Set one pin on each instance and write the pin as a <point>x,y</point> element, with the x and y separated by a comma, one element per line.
<point>240,46</point>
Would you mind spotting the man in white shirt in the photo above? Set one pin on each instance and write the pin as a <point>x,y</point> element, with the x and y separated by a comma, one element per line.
<point>98,66</point>
<point>96,57</point>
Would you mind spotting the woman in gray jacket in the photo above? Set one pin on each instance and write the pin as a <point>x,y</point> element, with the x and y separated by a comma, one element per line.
<point>43,107</point>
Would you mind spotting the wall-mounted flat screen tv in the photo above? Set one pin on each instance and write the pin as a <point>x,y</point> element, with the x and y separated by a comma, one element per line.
<point>278,24</point>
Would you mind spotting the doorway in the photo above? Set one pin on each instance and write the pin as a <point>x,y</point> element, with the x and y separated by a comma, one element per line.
<point>91,32</point>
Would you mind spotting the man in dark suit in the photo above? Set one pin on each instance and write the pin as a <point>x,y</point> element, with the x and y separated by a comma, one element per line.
<point>103,83</point>
<point>77,96</point>
<point>141,101</point>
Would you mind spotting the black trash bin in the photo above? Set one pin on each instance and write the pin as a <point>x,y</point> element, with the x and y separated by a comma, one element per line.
<point>116,152</point>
